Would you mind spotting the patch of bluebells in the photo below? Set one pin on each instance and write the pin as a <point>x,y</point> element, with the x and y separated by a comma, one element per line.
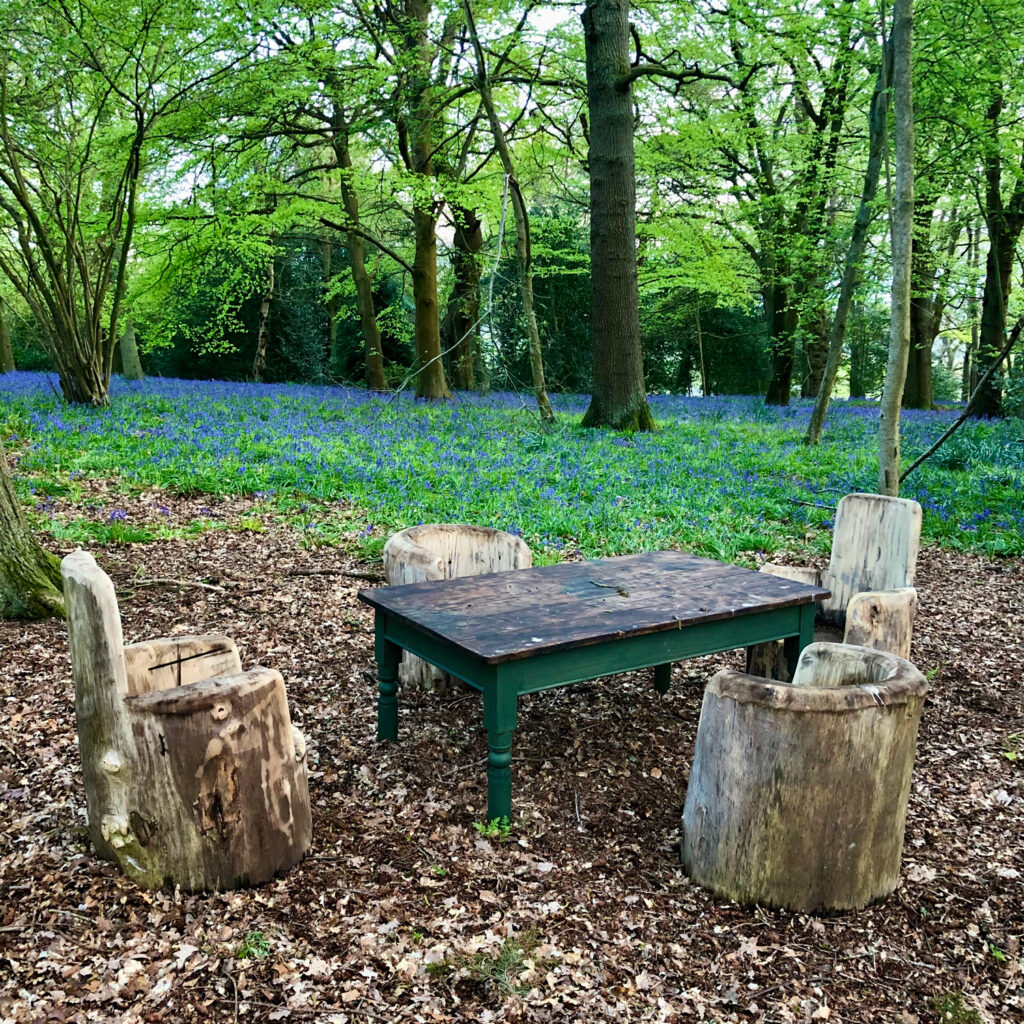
<point>721,475</point>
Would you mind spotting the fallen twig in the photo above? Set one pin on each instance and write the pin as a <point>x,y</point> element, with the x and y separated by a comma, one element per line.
<point>177,583</point>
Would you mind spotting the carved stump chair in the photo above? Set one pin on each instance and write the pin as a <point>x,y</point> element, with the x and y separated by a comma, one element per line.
<point>194,774</point>
<point>871,571</point>
<point>445,551</point>
<point>798,793</point>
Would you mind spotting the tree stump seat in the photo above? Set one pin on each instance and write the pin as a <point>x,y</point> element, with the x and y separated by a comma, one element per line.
<point>798,793</point>
<point>445,551</point>
<point>870,574</point>
<point>194,774</point>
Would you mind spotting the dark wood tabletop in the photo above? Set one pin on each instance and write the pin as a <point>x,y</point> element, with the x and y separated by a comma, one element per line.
<point>505,616</point>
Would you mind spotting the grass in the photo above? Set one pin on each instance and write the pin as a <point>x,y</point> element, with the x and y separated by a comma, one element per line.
<point>725,477</point>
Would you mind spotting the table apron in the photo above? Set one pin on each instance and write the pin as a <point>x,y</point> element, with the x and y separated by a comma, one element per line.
<point>609,656</point>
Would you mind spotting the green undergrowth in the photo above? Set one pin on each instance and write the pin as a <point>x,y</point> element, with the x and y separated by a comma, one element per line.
<point>728,478</point>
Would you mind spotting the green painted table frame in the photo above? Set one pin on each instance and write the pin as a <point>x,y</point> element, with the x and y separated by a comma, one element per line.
<point>502,684</point>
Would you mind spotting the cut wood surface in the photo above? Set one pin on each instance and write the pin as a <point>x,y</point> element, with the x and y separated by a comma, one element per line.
<point>191,781</point>
<point>883,620</point>
<point>875,545</point>
<point>445,551</point>
<point>798,793</point>
<point>504,616</point>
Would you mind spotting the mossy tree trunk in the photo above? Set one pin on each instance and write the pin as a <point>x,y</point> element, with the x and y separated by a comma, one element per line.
<point>6,349</point>
<point>30,585</point>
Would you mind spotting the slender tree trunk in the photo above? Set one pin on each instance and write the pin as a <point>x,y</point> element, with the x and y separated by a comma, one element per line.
<point>917,393</point>
<point>968,376</point>
<point>375,379</point>
<point>816,349</point>
<point>877,116</point>
<point>30,582</point>
<point>998,264</point>
<point>6,349</point>
<point>259,363</point>
<point>522,219</point>
<point>705,386</point>
<point>131,364</point>
<point>462,329</point>
<point>430,378</point>
<point>332,303</point>
<point>619,398</point>
<point>1004,221</point>
<point>902,230</point>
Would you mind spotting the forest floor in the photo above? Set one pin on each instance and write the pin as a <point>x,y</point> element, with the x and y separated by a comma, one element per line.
<point>403,911</point>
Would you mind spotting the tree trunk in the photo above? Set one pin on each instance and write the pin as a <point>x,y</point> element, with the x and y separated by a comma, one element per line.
<point>854,257</point>
<point>782,324</point>
<point>798,793</point>
<point>430,378</point>
<point>375,379</point>
<point>332,303</point>
<point>259,363</point>
<point>619,398</point>
<point>6,349</point>
<point>523,253</point>
<point>30,585</point>
<point>902,231</point>
<point>1004,221</point>
<point>968,376</point>
<point>131,365</point>
<point>462,321</point>
<point>917,392</point>
<point>816,350</point>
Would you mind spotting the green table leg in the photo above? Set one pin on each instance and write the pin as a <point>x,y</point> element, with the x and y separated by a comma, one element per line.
<point>500,718</point>
<point>662,677</point>
<point>388,657</point>
<point>793,645</point>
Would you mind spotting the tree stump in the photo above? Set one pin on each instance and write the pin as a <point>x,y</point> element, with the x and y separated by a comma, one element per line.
<point>446,551</point>
<point>874,554</point>
<point>190,780</point>
<point>798,793</point>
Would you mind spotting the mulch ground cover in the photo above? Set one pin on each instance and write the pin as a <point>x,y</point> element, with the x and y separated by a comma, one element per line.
<point>403,911</point>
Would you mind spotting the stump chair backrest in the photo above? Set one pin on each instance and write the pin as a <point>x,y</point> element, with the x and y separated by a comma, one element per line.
<point>448,551</point>
<point>875,544</point>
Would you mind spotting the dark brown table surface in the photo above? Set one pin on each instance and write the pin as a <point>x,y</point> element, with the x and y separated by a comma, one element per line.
<point>505,616</point>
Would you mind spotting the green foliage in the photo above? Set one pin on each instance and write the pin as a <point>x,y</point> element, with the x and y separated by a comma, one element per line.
<point>945,383</point>
<point>255,946</point>
<point>497,828</point>
<point>561,292</point>
<point>498,973</point>
<point>952,1008</point>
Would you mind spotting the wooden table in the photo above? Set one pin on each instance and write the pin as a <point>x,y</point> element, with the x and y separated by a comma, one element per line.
<point>511,633</point>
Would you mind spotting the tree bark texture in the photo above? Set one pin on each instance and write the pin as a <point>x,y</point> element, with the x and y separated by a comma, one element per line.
<point>524,255</point>
<point>30,586</point>
<point>6,349</point>
<point>446,551</point>
<point>259,363</point>
<point>782,324</point>
<point>430,377</point>
<point>375,379</point>
<point>902,231</point>
<point>798,793</point>
<point>619,398</point>
<point>131,364</point>
<point>462,327</point>
<point>190,780</point>
<point>1005,221</point>
<point>877,115</point>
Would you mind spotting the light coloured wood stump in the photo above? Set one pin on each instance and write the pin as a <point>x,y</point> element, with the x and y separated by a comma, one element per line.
<point>798,793</point>
<point>445,551</point>
<point>194,774</point>
<point>871,572</point>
